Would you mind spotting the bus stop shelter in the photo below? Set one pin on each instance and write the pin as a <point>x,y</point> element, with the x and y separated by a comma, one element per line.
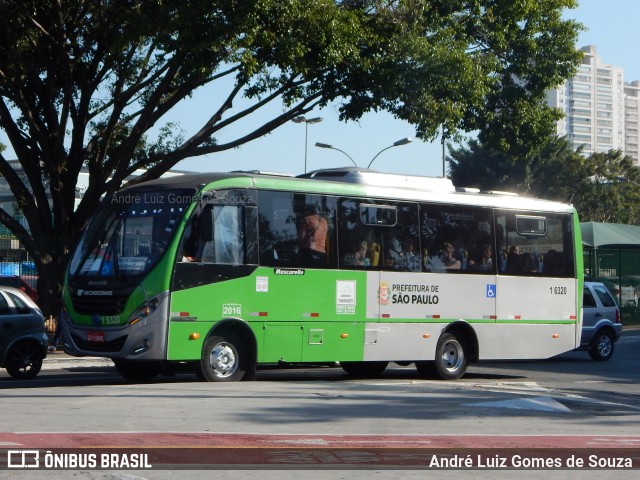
<point>612,256</point>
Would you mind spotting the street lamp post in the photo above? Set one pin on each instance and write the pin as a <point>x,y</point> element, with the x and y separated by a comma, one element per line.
<point>400,142</point>
<point>326,145</point>
<point>306,122</point>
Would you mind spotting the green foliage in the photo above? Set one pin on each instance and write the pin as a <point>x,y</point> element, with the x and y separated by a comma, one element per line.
<point>604,187</point>
<point>83,84</point>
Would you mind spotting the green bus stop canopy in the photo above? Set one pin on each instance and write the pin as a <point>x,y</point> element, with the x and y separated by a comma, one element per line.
<point>615,235</point>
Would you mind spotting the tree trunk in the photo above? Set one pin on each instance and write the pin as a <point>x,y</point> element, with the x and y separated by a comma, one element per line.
<point>51,261</point>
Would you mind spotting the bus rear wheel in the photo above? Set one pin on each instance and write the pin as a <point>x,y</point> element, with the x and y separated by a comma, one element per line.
<point>451,357</point>
<point>224,359</point>
<point>137,371</point>
<point>364,369</point>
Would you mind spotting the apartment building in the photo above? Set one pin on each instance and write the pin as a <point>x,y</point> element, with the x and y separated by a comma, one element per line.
<point>599,107</point>
<point>632,118</point>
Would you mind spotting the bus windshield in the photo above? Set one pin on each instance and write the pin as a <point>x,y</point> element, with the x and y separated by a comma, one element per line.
<point>130,234</point>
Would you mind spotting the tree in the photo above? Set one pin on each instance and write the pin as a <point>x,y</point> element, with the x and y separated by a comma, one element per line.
<point>604,187</point>
<point>83,84</point>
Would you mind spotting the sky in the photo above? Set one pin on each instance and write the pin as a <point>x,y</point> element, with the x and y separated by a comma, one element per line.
<point>611,25</point>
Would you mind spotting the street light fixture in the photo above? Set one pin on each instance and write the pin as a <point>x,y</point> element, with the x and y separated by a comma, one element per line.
<point>306,122</point>
<point>326,145</point>
<point>402,141</point>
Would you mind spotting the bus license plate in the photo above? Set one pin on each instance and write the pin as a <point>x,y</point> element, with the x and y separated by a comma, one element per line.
<point>95,337</point>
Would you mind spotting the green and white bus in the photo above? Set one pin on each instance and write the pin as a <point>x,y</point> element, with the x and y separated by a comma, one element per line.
<point>224,272</point>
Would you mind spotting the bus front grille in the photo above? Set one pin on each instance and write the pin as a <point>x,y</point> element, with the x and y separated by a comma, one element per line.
<point>99,305</point>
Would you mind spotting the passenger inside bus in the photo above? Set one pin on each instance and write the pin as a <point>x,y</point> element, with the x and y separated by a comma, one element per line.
<point>485,263</point>
<point>527,263</point>
<point>513,262</point>
<point>445,260</point>
<point>312,234</point>
<point>448,259</point>
<point>359,257</point>
<point>409,260</point>
<point>191,251</point>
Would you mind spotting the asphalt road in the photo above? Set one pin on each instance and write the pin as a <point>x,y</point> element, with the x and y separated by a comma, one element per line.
<point>566,399</point>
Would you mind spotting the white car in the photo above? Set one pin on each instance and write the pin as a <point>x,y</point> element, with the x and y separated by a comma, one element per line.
<point>601,323</point>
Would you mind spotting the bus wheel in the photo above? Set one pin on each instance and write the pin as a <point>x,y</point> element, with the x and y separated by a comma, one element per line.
<point>451,359</point>
<point>602,346</point>
<point>24,360</point>
<point>224,359</point>
<point>364,369</point>
<point>137,371</point>
<point>426,369</point>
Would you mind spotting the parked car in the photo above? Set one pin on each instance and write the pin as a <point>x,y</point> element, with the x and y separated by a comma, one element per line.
<point>21,283</point>
<point>23,340</point>
<point>601,323</point>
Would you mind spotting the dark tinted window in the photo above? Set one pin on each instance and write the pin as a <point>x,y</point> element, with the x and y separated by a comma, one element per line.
<point>535,244</point>
<point>604,296</point>
<point>587,299</point>
<point>378,235</point>
<point>297,230</point>
<point>21,307</point>
<point>457,239</point>
<point>4,306</point>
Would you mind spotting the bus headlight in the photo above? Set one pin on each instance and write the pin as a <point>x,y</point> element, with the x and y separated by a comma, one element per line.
<point>144,311</point>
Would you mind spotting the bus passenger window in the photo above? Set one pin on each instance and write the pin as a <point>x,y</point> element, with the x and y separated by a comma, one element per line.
<point>216,236</point>
<point>457,239</point>
<point>536,245</point>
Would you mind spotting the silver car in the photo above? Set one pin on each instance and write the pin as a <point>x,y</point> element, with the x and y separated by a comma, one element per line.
<point>23,340</point>
<point>601,324</point>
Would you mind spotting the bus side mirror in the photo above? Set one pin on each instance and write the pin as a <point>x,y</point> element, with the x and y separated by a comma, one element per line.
<point>206,225</point>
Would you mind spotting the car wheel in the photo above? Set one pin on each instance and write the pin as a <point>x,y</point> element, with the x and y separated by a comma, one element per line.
<point>137,371</point>
<point>364,369</point>
<point>24,360</point>
<point>602,346</point>
<point>224,359</point>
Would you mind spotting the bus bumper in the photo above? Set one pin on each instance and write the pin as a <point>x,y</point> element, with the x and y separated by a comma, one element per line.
<point>141,338</point>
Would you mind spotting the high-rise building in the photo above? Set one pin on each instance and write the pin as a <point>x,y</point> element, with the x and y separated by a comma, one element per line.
<point>598,107</point>
<point>632,119</point>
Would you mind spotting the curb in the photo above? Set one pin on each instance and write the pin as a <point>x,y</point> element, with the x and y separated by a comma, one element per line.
<point>62,360</point>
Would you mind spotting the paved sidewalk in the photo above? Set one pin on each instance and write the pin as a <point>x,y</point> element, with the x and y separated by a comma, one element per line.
<point>59,359</point>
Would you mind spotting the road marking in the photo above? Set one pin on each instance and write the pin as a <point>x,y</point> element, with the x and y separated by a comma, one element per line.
<point>543,404</point>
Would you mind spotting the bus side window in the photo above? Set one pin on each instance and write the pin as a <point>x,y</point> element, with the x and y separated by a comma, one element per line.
<point>537,244</point>
<point>223,233</point>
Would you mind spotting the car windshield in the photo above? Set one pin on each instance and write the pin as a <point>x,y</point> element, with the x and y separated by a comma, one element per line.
<point>130,234</point>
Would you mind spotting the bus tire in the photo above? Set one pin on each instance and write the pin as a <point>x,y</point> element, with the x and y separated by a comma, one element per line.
<point>364,369</point>
<point>224,359</point>
<point>451,357</point>
<point>602,346</point>
<point>426,369</point>
<point>137,371</point>
<point>24,360</point>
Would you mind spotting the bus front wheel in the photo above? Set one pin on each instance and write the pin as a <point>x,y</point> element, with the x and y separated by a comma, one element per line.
<point>224,359</point>
<point>137,371</point>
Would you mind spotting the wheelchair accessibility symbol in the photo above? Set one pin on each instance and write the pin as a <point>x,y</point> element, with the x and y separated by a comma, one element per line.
<point>491,291</point>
